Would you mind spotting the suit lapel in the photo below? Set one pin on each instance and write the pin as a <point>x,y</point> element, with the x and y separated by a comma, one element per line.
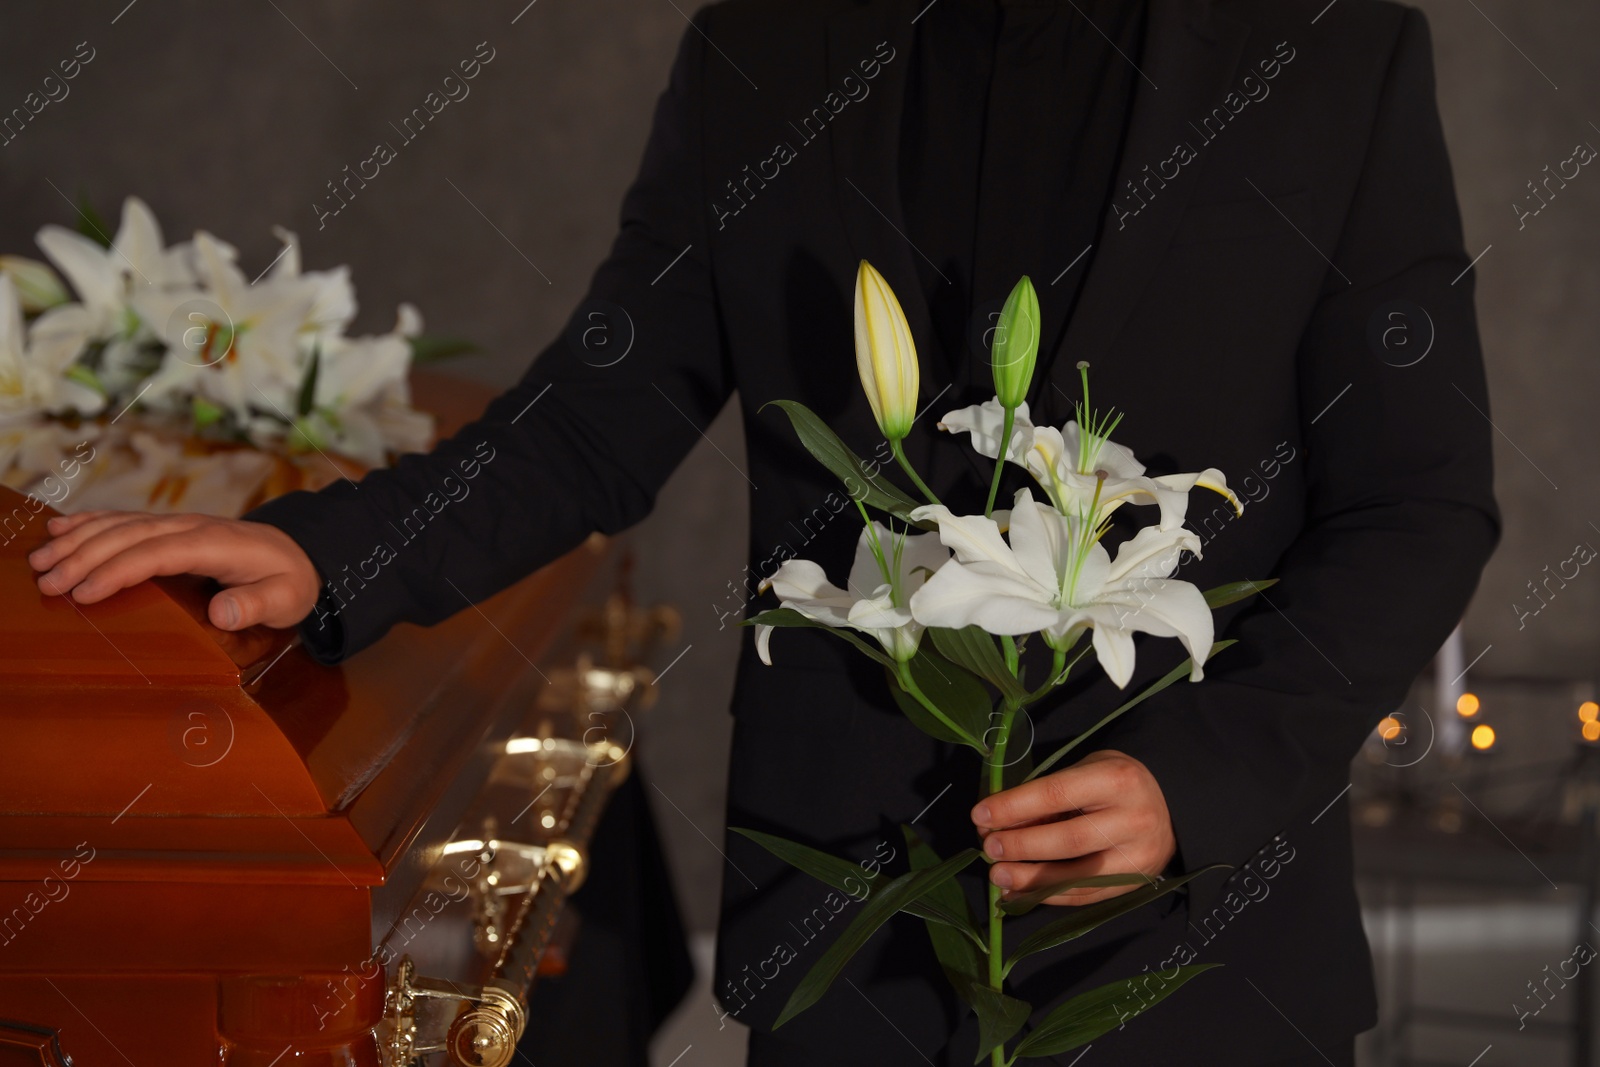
<point>1188,63</point>
<point>865,144</point>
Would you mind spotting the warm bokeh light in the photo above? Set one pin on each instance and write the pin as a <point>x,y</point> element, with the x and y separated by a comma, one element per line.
<point>1591,731</point>
<point>1389,728</point>
<point>1467,705</point>
<point>1483,737</point>
<point>1588,711</point>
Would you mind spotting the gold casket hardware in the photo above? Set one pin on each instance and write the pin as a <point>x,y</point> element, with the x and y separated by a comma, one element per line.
<point>483,1035</point>
<point>518,896</point>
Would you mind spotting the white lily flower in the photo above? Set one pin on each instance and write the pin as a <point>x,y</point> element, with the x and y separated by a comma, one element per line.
<point>234,344</point>
<point>333,306</point>
<point>105,280</point>
<point>889,569</point>
<point>1055,577</point>
<point>1068,464</point>
<point>362,402</point>
<point>34,363</point>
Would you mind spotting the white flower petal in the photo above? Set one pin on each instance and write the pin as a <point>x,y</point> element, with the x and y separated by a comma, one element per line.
<point>1113,647</point>
<point>1210,478</point>
<point>1118,461</point>
<point>1151,553</point>
<point>985,422</point>
<point>803,585</point>
<point>981,594</point>
<point>93,276</point>
<point>1041,540</point>
<point>971,537</point>
<point>878,613</point>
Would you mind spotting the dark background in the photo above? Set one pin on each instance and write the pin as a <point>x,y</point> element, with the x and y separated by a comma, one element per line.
<point>233,117</point>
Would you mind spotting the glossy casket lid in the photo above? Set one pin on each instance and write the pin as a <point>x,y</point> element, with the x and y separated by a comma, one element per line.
<point>206,755</point>
<point>99,701</point>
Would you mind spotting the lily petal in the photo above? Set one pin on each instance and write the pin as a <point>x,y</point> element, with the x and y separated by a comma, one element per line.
<point>1210,478</point>
<point>983,595</point>
<point>1113,647</point>
<point>1152,553</point>
<point>985,421</point>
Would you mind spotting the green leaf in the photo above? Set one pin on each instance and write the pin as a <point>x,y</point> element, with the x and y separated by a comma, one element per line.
<point>975,650</point>
<point>896,896</point>
<point>307,397</point>
<point>433,347</point>
<point>791,617</point>
<point>849,878</point>
<point>1089,1015</point>
<point>844,875</point>
<point>868,487</point>
<point>999,1017</point>
<point>1180,671</point>
<point>958,955</point>
<point>1022,903</point>
<point>204,411</point>
<point>1081,920</point>
<point>90,223</point>
<point>955,691</point>
<point>919,716</point>
<point>1233,592</point>
<point>84,376</point>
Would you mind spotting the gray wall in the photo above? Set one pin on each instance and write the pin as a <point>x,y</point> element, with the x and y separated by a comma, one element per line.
<point>234,117</point>
<point>1515,99</point>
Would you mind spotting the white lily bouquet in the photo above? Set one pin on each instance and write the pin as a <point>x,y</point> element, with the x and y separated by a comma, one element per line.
<point>950,611</point>
<point>205,354</point>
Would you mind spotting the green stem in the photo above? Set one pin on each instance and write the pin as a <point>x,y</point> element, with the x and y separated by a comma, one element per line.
<point>905,465</point>
<point>909,684</point>
<point>1008,644</point>
<point>1000,461</point>
<point>1060,669</point>
<point>996,783</point>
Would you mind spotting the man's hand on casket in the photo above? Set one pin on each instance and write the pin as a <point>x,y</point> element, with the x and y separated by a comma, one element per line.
<point>267,577</point>
<point>1103,815</point>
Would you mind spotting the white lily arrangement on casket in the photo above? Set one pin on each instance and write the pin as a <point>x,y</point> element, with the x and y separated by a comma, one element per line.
<point>181,336</point>
<point>950,612</point>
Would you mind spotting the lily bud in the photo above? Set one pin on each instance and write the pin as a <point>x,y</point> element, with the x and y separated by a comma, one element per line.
<point>38,287</point>
<point>886,357</point>
<point>1016,345</point>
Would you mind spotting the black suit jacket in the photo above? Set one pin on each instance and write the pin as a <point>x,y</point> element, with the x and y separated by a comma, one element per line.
<point>1284,245</point>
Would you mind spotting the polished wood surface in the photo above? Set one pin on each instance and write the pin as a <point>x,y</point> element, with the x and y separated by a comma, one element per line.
<point>201,834</point>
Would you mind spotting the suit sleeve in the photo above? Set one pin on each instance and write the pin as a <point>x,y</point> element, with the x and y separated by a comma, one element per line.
<point>1400,515</point>
<point>581,444</point>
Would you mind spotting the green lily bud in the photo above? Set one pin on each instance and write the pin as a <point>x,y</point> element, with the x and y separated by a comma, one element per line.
<point>38,287</point>
<point>885,355</point>
<point>1016,345</point>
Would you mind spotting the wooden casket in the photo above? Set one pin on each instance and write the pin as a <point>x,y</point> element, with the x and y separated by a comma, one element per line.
<point>215,850</point>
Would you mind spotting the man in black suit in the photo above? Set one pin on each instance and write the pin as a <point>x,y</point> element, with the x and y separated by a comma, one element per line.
<point>1240,213</point>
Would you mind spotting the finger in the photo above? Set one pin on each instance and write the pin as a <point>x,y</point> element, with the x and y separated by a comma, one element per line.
<point>272,602</point>
<point>60,524</point>
<point>1067,839</point>
<point>105,542</point>
<point>176,552</point>
<point>66,542</point>
<point>1018,878</point>
<point>1086,786</point>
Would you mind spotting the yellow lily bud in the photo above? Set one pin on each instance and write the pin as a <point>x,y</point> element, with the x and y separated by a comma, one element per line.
<point>885,354</point>
<point>38,287</point>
